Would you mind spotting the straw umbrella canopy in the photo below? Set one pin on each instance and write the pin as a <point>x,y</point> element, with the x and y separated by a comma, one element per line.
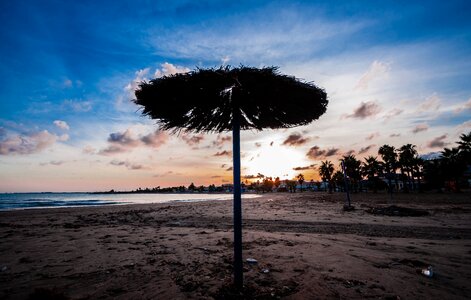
<point>231,99</point>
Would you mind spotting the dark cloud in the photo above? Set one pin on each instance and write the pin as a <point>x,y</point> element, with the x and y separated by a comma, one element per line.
<point>316,153</point>
<point>112,149</point>
<point>155,139</point>
<point>331,152</point>
<point>192,140</point>
<point>295,139</point>
<point>221,140</point>
<point>419,128</point>
<point>229,169</point>
<point>438,142</point>
<point>120,142</point>
<point>258,145</point>
<point>250,177</point>
<point>128,165</point>
<point>223,153</point>
<point>349,152</point>
<point>365,149</point>
<point>271,143</point>
<point>365,110</point>
<point>395,135</point>
<point>372,136</point>
<point>216,176</point>
<point>123,138</point>
<point>310,167</point>
<point>27,144</point>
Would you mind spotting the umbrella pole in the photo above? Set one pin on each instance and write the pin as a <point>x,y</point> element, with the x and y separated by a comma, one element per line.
<point>238,275</point>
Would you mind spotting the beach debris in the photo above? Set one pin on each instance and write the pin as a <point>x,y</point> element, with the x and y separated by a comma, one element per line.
<point>251,261</point>
<point>428,272</point>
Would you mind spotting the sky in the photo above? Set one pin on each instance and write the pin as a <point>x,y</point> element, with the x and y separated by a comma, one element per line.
<point>395,72</point>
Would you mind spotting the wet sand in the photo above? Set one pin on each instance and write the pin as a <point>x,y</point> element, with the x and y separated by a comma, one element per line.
<point>306,246</point>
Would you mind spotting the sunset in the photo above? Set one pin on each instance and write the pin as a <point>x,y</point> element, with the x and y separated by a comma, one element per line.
<point>235,149</point>
<point>70,70</point>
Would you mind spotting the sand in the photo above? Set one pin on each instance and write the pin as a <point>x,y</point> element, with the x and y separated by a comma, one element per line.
<point>305,245</point>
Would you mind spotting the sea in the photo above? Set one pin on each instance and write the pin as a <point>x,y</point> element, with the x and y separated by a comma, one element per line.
<point>14,201</point>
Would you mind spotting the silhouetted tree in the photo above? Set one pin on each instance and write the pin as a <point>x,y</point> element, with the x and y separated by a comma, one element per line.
<point>301,181</point>
<point>326,171</point>
<point>371,168</point>
<point>338,180</point>
<point>389,157</point>
<point>353,170</point>
<point>407,154</point>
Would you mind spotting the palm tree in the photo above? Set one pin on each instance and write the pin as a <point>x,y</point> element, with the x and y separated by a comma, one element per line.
<point>338,179</point>
<point>371,168</point>
<point>352,170</point>
<point>453,166</point>
<point>231,99</point>
<point>407,154</point>
<point>465,147</point>
<point>389,157</point>
<point>326,170</point>
<point>301,180</point>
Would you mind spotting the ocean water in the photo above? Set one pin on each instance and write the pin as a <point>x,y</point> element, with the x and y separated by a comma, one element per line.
<point>11,201</point>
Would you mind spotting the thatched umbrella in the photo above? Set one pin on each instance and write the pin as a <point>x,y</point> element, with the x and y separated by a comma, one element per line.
<point>231,99</point>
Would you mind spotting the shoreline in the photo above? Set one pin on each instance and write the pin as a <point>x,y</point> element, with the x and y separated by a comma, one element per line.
<point>305,245</point>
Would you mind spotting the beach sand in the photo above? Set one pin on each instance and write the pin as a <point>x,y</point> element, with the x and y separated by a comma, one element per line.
<point>306,246</point>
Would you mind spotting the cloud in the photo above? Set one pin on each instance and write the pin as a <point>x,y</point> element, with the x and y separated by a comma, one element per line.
<point>192,140</point>
<point>438,142</point>
<point>372,136</point>
<point>258,145</point>
<point>316,153</point>
<point>464,126</point>
<point>88,150</point>
<point>76,106</point>
<point>365,149</point>
<point>365,110</point>
<point>221,140</point>
<point>155,139</point>
<point>419,128</point>
<point>349,152</point>
<point>27,144</point>
<point>392,135</point>
<point>310,167</point>
<point>223,153</point>
<point>123,138</point>
<point>463,107</point>
<point>169,69</point>
<point>128,165</point>
<point>432,103</point>
<point>392,113</point>
<point>376,70</point>
<point>126,141</point>
<point>295,139</point>
<point>61,124</point>
<point>53,162</point>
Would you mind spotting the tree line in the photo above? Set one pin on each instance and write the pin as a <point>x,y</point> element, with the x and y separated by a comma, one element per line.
<point>403,169</point>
